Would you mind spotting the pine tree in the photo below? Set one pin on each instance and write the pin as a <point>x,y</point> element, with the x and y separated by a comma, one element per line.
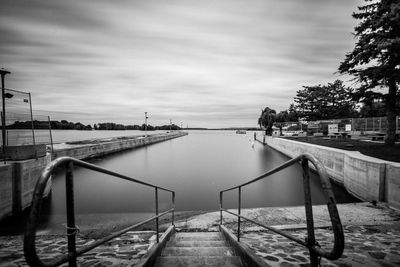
<point>375,59</point>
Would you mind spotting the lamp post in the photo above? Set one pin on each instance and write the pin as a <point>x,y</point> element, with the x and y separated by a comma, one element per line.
<point>3,117</point>
<point>145,123</point>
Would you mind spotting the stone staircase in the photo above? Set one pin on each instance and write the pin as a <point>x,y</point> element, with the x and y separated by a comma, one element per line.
<point>198,249</point>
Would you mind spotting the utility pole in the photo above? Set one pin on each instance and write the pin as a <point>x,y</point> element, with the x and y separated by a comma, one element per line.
<point>145,123</point>
<point>3,117</point>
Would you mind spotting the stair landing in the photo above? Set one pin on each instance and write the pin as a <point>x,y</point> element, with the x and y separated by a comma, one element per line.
<point>198,249</point>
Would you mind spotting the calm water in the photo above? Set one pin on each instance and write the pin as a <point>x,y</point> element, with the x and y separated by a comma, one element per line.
<point>197,167</point>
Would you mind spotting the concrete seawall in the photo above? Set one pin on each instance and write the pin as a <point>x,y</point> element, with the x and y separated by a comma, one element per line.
<point>365,177</point>
<point>101,147</point>
<point>18,178</point>
<point>17,182</point>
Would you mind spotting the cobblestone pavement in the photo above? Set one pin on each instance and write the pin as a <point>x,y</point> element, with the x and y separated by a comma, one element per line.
<point>125,250</point>
<point>364,246</point>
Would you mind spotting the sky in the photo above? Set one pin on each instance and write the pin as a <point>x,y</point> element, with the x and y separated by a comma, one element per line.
<point>199,63</point>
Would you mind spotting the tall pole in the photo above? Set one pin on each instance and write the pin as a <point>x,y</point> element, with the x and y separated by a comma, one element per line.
<point>51,136</point>
<point>145,124</point>
<point>170,124</point>
<point>3,117</point>
<point>33,127</point>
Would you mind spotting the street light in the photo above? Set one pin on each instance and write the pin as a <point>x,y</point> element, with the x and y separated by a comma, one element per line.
<point>3,117</point>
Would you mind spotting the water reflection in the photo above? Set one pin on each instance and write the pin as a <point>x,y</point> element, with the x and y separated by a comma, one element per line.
<point>196,166</point>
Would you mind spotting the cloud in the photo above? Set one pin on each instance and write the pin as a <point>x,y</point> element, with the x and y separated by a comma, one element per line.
<point>206,63</point>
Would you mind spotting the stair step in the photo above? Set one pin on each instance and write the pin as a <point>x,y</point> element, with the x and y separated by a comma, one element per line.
<point>201,236</point>
<point>197,251</point>
<point>189,261</point>
<point>204,243</point>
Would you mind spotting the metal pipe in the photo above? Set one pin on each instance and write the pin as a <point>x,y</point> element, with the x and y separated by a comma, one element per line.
<point>309,212</point>
<point>30,234</point>
<point>3,117</point>
<point>93,167</point>
<point>337,228</point>
<point>71,227</point>
<point>158,239</point>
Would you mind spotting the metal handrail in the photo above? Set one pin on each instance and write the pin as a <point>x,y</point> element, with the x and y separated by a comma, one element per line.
<point>315,250</point>
<point>30,235</point>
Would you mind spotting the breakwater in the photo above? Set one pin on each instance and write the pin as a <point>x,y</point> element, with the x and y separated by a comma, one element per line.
<point>367,178</point>
<point>101,147</point>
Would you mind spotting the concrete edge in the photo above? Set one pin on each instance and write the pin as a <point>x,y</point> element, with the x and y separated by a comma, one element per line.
<point>355,154</point>
<point>248,257</point>
<point>303,226</point>
<point>155,250</point>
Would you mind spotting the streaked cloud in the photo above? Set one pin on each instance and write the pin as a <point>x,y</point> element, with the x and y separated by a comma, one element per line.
<point>204,63</point>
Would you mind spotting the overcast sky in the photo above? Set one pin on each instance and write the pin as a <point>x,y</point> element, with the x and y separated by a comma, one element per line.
<point>204,63</point>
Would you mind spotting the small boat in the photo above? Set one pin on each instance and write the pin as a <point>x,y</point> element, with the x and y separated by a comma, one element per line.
<point>241,131</point>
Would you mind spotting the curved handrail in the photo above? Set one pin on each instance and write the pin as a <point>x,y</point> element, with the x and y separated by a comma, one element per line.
<point>30,235</point>
<point>313,246</point>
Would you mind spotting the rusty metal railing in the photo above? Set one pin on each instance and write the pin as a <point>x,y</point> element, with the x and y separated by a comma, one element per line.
<point>30,235</point>
<point>315,250</point>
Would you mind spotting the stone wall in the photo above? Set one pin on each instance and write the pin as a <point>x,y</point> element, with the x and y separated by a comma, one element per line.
<point>365,177</point>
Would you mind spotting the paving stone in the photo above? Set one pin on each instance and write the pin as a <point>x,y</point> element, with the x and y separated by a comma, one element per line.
<point>377,254</point>
<point>364,246</point>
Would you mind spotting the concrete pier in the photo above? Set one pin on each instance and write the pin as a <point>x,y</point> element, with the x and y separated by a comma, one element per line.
<point>100,147</point>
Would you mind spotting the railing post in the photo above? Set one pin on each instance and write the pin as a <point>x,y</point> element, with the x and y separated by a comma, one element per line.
<point>71,228</point>
<point>173,206</point>
<point>309,213</point>
<point>239,210</point>
<point>157,214</point>
<point>220,208</point>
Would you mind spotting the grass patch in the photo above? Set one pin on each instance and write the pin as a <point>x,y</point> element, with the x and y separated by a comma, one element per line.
<point>372,149</point>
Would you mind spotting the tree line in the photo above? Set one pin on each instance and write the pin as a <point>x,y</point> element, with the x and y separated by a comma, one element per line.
<point>66,125</point>
<point>115,126</point>
<point>375,65</point>
<point>59,125</point>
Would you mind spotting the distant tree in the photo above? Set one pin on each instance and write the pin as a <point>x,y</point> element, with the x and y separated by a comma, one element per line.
<point>319,102</point>
<point>267,119</point>
<point>375,59</point>
<point>289,115</point>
